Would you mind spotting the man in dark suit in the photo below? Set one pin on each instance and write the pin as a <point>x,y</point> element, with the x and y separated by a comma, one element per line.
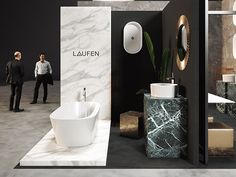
<point>15,74</point>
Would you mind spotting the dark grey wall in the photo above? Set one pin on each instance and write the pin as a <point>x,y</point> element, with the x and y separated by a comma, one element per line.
<point>215,45</point>
<point>189,78</point>
<point>31,27</point>
<point>131,72</point>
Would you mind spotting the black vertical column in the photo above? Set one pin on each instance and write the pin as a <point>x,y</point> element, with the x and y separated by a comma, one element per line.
<point>203,85</point>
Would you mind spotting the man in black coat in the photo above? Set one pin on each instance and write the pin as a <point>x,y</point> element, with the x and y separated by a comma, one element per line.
<point>15,74</point>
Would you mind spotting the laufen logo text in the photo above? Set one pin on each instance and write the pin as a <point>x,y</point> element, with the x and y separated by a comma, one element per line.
<point>84,53</point>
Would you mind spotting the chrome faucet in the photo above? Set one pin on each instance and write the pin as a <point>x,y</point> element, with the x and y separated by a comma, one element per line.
<point>171,79</point>
<point>84,94</point>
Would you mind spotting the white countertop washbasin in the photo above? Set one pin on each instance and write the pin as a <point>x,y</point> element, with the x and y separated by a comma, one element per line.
<point>163,90</point>
<point>228,77</point>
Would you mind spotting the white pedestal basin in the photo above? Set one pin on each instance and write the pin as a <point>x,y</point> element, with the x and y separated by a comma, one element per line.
<point>228,77</point>
<point>163,90</point>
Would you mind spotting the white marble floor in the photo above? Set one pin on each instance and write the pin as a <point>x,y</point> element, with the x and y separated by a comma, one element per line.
<point>47,153</point>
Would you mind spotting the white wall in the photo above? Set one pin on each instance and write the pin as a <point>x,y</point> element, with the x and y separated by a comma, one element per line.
<point>86,29</point>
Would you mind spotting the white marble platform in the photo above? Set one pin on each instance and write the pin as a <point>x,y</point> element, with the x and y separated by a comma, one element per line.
<point>47,153</point>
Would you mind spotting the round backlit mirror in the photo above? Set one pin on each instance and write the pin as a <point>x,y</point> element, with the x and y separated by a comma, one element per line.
<point>183,41</point>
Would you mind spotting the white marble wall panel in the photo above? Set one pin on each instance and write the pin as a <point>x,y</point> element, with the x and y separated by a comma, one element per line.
<point>127,5</point>
<point>86,29</point>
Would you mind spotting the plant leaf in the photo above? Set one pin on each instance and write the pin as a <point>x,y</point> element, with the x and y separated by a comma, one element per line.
<point>150,49</point>
<point>142,91</point>
<point>164,64</point>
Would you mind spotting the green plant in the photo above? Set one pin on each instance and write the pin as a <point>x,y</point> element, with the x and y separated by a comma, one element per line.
<point>142,91</point>
<point>164,63</point>
<point>163,68</point>
<point>150,49</point>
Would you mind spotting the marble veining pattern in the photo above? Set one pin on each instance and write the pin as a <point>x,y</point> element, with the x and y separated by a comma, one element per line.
<point>221,90</point>
<point>232,96</point>
<point>165,127</point>
<point>128,5</point>
<point>226,90</point>
<point>86,29</point>
<point>47,153</point>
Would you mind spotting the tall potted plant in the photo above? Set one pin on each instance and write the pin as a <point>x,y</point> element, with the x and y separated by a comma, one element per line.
<point>161,71</point>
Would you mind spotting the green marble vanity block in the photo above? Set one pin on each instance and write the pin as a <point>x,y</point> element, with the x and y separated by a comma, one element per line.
<point>165,123</point>
<point>232,96</point>
<point>228,91</point>
<point>221,90</point>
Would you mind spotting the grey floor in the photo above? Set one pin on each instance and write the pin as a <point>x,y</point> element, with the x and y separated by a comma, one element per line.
<point>19,132</point>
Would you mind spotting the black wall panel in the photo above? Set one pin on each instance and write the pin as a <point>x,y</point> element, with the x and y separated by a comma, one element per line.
<point>189,79</point>
<point>131,72</point>
<point>31,27</point>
